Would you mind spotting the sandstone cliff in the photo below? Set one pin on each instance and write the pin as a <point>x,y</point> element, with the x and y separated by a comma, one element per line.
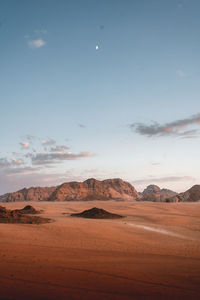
<point>93,189</point>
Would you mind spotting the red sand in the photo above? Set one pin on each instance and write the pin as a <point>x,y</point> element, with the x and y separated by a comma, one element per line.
<point>75,258</point>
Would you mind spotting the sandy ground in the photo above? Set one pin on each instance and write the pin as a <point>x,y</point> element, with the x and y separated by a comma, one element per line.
<point>153,253</point>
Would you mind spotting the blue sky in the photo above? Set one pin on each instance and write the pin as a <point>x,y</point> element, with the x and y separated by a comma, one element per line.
<point>129,109</point>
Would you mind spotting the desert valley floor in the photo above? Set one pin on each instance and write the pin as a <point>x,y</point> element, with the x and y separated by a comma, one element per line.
<point>152,253</point>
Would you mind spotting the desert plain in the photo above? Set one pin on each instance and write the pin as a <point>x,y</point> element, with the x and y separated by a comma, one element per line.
<point>151,253</point>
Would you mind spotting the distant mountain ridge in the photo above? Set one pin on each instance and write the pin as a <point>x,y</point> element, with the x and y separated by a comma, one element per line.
<point>90,189</point>
<point>30,194</point>
<point>108,189</point>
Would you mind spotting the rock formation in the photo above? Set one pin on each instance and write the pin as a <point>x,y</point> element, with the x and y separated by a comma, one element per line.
<point>31,194</point>
<point>14,216</point>
<point>191,195</point>
<point>155,194</point>
<point>28,209</point>
<point>96,213</point>
<point>93,189</point>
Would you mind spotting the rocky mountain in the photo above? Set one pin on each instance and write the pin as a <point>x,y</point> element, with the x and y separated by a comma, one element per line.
<point>191,195</point>
<point>31,194</point>
<point>91,189</point>
<point>155,194</point>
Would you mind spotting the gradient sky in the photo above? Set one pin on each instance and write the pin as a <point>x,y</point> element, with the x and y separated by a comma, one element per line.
<point>99,89</point>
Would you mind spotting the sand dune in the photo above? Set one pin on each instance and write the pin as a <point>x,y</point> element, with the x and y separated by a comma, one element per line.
<point>142,256</point>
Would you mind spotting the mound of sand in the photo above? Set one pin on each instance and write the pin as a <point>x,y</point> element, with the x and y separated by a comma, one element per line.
<point>28,209</point>
<point>96,213</point>
<point>14,216</point>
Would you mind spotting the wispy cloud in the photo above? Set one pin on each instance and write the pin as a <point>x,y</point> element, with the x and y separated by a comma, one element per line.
<point>21,170</point>
<point>35,39</point>
<point>48,142</point>
<point>38,43</point>
<point>24,145</point>
<point>54,158</point>
<point>16,162</point>
<point>60,148</point>
<point>5,163</point>
<point>174,128</point>
<point>30,137</point>
<point>36,166</point>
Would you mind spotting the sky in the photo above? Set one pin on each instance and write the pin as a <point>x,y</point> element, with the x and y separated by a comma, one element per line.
<point>101,89</point>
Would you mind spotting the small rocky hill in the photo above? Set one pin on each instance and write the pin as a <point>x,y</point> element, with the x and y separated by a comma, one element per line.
<point>191,195</point>
<point>15,216</point>
<point>96,213</point>
<point>28,209</point>
<point>155,194</point>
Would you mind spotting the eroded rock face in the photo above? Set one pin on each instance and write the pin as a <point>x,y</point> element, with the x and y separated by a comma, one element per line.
<point>96,213</point>
<point>31,194</point>
<point>155,194</point>
<point>14,216</point>
<point>191,195</point>
<point>93,189</point>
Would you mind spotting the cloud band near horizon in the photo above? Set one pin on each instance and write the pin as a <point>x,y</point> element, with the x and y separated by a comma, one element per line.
<point>175,128</point>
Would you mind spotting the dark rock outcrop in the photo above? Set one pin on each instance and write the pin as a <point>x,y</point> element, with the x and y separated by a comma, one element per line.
<point>28,209</point>
<point>13,216</point>
<point>96,213</point>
